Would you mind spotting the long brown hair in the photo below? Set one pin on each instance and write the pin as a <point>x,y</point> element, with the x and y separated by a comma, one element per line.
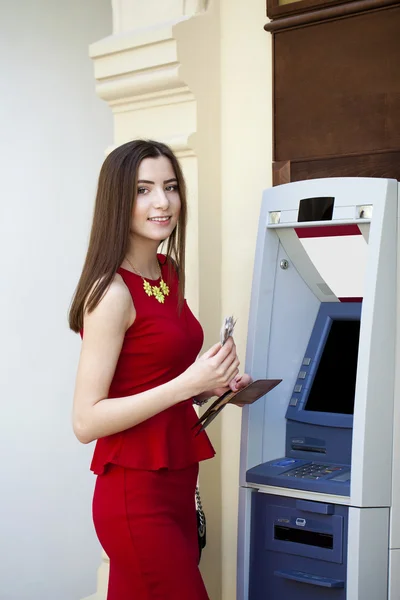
<point>109,238</point>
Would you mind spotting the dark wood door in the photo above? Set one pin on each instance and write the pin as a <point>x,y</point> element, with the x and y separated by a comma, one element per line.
<point>337,97</point>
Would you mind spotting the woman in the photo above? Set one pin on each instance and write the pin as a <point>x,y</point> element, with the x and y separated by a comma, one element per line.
<point>138,377</point>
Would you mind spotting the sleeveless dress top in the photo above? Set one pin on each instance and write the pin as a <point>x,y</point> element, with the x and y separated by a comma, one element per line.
<point>160,345</point>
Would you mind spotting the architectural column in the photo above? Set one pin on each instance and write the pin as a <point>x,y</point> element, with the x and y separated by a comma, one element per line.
<point>159,73</point>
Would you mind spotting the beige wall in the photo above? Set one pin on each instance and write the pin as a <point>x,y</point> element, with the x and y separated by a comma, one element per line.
<point>201,70</point>
<point>200,79</point>
<point>246,127</point>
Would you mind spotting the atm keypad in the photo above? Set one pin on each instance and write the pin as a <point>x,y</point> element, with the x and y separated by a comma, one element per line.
<point>313,471</point>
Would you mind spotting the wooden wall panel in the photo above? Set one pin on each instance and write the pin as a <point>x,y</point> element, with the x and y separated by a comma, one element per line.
<point>337,87</point>
<point>380,164</point>
<point>279,8</point>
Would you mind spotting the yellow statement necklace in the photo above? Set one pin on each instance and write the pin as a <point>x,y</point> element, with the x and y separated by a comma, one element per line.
<point>158,291</point>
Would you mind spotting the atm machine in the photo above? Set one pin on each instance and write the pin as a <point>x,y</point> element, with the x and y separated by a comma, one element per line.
<point>319,499</point>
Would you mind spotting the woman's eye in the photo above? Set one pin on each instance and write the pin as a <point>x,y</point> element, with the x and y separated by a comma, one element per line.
<point>171,188</point>
<point>142,190</point>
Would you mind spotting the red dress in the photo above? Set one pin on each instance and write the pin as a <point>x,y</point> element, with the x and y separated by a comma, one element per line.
<point>143,507</point>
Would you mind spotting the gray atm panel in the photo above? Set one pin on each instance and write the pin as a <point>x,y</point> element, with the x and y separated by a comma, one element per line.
<point>298,549</point>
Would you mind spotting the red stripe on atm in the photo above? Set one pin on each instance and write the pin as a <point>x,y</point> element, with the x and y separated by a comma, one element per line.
<point>350,299</point>
<point>327,231</point>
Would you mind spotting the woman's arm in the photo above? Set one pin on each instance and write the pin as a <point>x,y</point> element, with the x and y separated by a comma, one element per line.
<point>94,414</point>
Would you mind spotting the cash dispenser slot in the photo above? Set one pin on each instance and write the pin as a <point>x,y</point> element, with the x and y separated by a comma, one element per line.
<point>301,536</point>
<point>310,578</point>
<point>313,534</point>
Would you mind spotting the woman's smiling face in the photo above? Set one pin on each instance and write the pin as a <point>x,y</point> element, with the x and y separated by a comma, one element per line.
<point>157,204</point>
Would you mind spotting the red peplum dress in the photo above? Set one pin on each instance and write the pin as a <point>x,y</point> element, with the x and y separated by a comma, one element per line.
<point>144,507</point>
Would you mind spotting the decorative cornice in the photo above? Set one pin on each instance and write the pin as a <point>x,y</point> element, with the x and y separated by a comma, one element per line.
<point>137,66</point>
<point>329,13</point>
<point>119,42</point>
<point>137,71</point>
<point>139,86</point>
<point>180,144</point>
<point>151,100</point>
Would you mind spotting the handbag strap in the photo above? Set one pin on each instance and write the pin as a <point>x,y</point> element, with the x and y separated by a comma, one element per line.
<point>199,508</point>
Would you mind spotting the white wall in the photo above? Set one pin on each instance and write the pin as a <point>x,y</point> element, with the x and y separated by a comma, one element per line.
<point>53,133</point>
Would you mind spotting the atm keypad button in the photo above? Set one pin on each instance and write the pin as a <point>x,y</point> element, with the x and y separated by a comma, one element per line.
<point>302,375</point>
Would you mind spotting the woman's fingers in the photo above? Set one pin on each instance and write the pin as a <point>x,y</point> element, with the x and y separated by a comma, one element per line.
<point>241,382</point>
<point>232,371</point>
<point>224,362</point>
<point>213,351</point>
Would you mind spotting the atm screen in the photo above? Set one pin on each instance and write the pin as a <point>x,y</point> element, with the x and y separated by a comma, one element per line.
<point>334,384</point>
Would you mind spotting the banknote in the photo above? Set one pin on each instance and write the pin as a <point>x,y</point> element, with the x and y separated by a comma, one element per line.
<point>227,329</point>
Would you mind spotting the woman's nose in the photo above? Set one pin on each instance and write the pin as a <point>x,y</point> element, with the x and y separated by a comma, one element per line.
<point>161,200</point>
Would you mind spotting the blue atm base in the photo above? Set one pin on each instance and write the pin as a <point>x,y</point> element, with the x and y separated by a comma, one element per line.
<point>298,549</point>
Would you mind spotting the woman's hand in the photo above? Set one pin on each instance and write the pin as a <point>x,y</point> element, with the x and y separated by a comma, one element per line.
<point>235,385</point>
<point>238,383</point>
<point>215,369</point>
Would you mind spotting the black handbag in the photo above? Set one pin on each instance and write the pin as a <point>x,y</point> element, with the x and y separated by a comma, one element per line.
<point>201,523</point>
